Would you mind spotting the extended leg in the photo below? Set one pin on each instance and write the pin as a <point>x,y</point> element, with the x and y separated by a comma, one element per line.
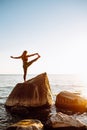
<point>32,61</point>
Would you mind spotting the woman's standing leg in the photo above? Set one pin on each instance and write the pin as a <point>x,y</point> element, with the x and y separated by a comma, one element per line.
<point>25,73</point>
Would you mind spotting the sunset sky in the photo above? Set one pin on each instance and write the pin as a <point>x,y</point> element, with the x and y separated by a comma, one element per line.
<point>56,29</point>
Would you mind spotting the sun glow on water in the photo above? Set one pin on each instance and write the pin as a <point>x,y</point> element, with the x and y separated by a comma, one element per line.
<point>83,79</point>
<point>84,93</point>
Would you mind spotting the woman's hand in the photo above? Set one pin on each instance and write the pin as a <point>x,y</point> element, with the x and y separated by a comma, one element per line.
<point>11,56</point>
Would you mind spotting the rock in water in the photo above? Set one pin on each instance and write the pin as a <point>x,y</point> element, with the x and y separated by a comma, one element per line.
<point>71,101</point>
<point>35,92</point>
<point>61,120</point>
<point>27,124</point>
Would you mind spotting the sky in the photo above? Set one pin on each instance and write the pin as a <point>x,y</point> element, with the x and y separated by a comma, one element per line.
<point>56,29</point>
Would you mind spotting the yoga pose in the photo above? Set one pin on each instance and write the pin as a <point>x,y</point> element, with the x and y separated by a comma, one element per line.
<point>26,64</point>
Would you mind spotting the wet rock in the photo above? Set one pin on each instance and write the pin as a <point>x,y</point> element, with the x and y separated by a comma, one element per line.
<point>40,113</point>
<point>27,124</point>
<point>71,101</point>
<point>35,92</point>
<point>64,121</point>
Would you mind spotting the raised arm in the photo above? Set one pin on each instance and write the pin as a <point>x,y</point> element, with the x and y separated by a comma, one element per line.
<point>15,57</point>
<point>32,54</point>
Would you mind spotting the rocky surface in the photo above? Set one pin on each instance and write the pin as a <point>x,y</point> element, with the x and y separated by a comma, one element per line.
<point>33,99</point>
<point>60,120</point>
<point>27,124</point>
<point>35,92</point>
<point>71,101</point>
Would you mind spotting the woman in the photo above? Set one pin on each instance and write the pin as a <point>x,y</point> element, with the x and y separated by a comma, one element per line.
<point>26,64</point>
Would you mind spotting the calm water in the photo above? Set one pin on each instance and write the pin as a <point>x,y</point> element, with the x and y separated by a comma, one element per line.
<point>57,83</point>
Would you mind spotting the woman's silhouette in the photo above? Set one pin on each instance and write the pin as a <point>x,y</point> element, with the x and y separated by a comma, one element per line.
<point>26,64</point>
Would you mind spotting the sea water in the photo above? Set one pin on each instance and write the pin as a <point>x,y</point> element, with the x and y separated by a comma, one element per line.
<point>58,83</point>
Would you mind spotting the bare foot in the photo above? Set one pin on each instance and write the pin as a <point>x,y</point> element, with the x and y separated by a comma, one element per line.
<point>38,56</point>
<point>25,81</point>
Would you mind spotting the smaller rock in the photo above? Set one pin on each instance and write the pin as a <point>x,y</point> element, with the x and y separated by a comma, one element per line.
<point>70,101</point>
<point>60,120</point>
<point>27,124</point>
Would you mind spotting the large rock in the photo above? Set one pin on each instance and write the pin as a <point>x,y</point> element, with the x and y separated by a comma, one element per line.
<point>35,92</point>
<point>71,101</point>
<point>27,124</point>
